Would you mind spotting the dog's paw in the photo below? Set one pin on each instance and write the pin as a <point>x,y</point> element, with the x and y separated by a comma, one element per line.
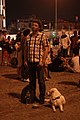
<point>54,109</point>
<point>62,110</point>
<point>47,99</point>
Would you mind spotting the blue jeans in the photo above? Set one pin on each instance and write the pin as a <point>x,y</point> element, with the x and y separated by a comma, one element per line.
<point>36,69</point>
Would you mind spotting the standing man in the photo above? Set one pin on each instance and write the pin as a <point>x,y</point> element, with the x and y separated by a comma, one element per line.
<point>64,43</point>
<point>2,41</point>
<point>35,54</point>
<point>74,45</point>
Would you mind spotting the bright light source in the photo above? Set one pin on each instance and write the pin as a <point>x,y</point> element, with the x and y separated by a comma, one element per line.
<point>45,25</point>
<point>0,48</point>
<point>53,34</point>
<point>12,36</point>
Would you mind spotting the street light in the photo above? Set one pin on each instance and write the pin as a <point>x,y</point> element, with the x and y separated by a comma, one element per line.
<point>56,16</point>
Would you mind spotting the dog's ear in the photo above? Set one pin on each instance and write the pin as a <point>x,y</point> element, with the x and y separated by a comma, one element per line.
<point>51,90</point>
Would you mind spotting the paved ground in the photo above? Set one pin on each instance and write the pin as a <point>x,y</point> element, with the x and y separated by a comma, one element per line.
<point>12,109</point>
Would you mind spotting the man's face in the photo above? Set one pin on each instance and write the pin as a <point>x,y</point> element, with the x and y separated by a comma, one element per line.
<point>35,26</point>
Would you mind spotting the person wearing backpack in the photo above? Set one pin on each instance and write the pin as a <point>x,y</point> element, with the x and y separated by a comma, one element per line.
<point>74,46</point>
<point>35,54</point>
<point>22,70</point>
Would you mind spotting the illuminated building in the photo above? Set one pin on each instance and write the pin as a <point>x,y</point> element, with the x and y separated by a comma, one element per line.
<point>2,15</point>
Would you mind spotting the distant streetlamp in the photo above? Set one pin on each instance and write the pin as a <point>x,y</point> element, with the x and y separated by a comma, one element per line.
<point>56,16</point>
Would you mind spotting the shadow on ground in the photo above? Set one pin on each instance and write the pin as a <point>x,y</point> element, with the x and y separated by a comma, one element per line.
<point>15,95</point>
<point>69,83</point>
<point>10,76</point>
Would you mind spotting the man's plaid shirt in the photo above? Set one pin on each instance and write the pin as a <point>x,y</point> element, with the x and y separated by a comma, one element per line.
<point>35,47</point>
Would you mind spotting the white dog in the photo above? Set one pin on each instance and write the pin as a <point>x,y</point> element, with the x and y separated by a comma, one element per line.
<point>56,99</point>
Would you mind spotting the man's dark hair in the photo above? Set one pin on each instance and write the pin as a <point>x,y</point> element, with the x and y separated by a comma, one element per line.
<point>75,33</point>
<point>39,23</point>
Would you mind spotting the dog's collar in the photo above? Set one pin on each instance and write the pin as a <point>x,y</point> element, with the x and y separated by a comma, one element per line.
<point>56,98</point>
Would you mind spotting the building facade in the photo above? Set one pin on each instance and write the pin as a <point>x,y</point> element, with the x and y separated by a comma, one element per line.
<point>2,15</point>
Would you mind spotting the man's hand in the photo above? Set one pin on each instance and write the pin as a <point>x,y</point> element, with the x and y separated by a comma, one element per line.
<point>25,63</point>
<point>42,63</point>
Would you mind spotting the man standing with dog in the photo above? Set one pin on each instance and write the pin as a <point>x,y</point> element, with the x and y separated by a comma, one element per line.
<point>35,54</point>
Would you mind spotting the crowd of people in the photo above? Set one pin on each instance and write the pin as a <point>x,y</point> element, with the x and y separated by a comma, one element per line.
<point>36,58</point>
<point>68,53</point>
<point>7,46</point>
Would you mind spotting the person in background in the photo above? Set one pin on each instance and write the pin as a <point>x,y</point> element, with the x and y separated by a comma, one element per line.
<point>7,52</point>
<point>20,38</point>
<point>73,46</point>
<point>2,41</point>
<point>78,42</point>
<point>19,54</point>
<point>64,43</point>
<point>75,62</point>
<point>47,63</point>
<point>35,54</point>
<point>24,68</point>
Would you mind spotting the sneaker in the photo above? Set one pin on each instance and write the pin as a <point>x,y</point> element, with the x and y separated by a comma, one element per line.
<point>35,105</point>
<point>26,80</point>
<point>41,100</point>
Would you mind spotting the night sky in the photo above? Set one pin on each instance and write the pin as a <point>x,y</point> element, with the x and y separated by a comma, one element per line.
<point>43,9</point>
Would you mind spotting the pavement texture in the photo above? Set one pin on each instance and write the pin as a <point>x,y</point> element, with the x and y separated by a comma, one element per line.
<point>11,107</point>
